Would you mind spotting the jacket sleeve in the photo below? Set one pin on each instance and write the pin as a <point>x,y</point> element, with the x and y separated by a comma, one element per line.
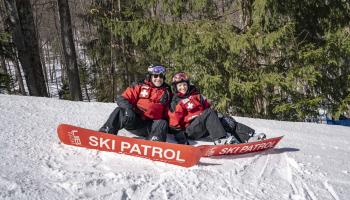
<point>204,102</point>
<point>176,118</point>
<point>167,102</point>
<point>129,97</point>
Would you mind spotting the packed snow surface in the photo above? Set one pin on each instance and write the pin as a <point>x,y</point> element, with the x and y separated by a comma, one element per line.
<point>311,161</point>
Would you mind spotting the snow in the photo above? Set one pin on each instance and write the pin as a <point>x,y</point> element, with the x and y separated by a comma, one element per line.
<point>311,161</point>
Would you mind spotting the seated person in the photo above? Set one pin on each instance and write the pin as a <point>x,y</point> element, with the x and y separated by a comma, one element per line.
<point>142,108</point>
<point>190,116</point>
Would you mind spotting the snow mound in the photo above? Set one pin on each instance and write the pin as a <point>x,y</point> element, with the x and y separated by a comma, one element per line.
<point>311,161</point>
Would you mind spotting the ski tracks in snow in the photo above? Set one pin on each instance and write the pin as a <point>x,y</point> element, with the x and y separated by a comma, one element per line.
<point>96,175</point>
<point>102,175</point>
<point>76,173</point>
<point>274,172</point>
<point>266,173</point>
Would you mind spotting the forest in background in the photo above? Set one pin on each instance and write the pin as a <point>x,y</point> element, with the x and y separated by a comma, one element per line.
<point>284,60</point>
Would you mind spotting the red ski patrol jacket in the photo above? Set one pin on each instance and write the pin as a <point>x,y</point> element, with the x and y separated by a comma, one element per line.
<point>148,101</point>
<point>185,108</point>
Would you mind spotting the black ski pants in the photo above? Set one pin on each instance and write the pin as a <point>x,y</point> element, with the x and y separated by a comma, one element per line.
<point>146,128</point>
<point>206,124</point>
<point>241,132</point>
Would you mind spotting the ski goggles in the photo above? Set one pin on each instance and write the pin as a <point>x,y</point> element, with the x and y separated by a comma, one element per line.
<point>179,77</point>
<point>156,69</point>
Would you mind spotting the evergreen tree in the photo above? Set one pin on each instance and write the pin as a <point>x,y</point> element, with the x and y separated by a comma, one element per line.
<point>257,58</point>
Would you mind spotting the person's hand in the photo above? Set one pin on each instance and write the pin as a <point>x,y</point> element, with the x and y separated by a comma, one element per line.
<point>129,117</point>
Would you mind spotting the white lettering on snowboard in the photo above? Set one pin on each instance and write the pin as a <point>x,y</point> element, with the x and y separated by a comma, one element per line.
<point>102,143</point>
<point>139,149</point>
<point>246,148</point>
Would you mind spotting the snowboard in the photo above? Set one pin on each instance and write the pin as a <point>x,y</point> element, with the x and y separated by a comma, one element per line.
<point>177,154</point>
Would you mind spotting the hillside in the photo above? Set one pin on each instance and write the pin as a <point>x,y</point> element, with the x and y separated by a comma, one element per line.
<point>311,162</point>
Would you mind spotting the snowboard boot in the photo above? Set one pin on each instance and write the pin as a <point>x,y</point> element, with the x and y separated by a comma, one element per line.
<point>106,129</point>
<point>155,138</point>
<point>257,137</point>
<point>228,139</point>
<point>181,138</point>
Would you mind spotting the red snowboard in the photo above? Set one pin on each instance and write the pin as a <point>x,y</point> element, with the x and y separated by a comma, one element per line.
<point>177,154</point>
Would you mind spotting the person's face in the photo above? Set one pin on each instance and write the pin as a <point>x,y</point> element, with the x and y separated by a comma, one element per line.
<point>182,87</point>
<point>157,79</point>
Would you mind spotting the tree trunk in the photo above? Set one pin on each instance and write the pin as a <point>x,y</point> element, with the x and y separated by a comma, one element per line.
<point>3,69</point>
<point>24,37</point>
<point>86,75</point>
<point>55,73</point>
<point>48,62</point>
<point>247,9</point>
<point>43,61</point>
<point>4,74</point>
<point>19,77</point>
<point>60,61</point>
<point>10,76</point>
<point>69,50</point>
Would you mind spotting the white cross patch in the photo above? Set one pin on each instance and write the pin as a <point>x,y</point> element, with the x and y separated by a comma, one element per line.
<point>189,106</point>
<point>144,93</point>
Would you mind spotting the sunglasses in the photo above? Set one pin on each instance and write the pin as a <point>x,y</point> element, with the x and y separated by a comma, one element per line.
<point>158,76</point>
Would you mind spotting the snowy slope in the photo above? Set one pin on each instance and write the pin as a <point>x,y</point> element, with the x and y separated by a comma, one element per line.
<point>311,162</point>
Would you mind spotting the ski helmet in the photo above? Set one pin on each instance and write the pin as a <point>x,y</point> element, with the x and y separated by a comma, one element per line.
<point>156,69</point>
<point>179,77</point>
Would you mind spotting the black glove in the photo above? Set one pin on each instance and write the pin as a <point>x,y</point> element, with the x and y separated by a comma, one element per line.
<point>181,137</point>
<point>129,117</point>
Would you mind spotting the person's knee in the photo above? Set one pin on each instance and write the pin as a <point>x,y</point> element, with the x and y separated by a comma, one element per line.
<point>161,124</point>
<point>209,111</point>
<point>117,112</point>
<point>228,123</point>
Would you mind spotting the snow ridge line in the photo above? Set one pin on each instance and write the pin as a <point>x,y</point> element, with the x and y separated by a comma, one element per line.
<point>331,190</point>
<point>264,166</point>
<point>296,181</point>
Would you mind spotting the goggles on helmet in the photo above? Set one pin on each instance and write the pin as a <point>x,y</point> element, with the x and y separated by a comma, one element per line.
<point>180,77</point>
<point>156,69</point>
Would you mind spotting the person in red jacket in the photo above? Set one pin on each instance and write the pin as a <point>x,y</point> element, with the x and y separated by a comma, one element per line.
<point>142,108</point>
<point>190,116</point>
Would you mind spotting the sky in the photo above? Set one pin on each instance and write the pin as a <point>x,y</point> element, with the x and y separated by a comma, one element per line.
<point>311,162</point>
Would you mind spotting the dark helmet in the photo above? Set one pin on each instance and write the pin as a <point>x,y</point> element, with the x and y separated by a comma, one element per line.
<point>180,77</point>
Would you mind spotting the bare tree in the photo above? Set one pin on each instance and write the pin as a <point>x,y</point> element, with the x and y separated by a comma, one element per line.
<point>247,9</point>
<point>69,50</point>
<point>4,82</point>
<point>19,76</point>
<point>24,36</point>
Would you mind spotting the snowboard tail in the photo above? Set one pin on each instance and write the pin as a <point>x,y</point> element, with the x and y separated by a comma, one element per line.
<point>177,154</point>
<point>235,149</point>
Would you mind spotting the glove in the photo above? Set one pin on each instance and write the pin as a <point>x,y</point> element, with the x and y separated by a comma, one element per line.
<point>129,117</point>
<point>181,137</point>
